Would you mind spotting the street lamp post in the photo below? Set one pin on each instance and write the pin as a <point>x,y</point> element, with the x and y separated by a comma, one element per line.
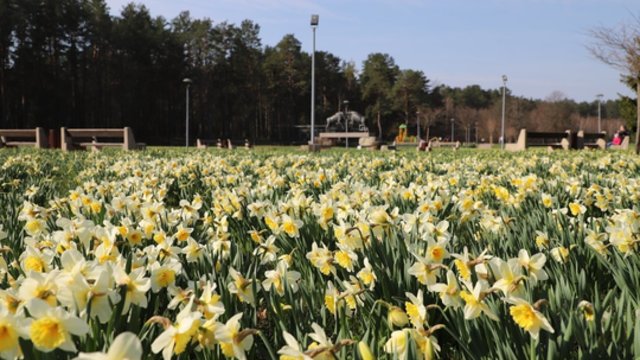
<point>418,126</point>
<point>504,102</point>
<point>452,129</point>
<point>476,132</point>
<point>346,122</point>
<point>599,96</point>
<point>188,82</point>
<point>314,25</point>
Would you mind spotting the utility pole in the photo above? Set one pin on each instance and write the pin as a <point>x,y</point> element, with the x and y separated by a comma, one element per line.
<point>599,96</point>
<point>314,25</point>
<point>186,136</point>
<point>504,101</point>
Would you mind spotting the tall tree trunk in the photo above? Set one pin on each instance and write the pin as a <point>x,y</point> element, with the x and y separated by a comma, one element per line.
<point>379,125</point>
<point>406,107</point>
<point>638,116</point>
<point>3,102</point>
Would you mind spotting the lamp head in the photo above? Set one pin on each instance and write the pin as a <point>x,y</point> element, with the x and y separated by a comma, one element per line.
<point>187,81</point>
<point>314,20</point>
<point>504,78</point>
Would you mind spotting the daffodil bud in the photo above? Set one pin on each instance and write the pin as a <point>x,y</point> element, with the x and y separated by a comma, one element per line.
<point>587,310</point>
<point>364,351</point>
<point>397,317</point>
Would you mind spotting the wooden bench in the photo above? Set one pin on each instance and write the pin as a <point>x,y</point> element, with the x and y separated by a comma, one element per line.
<point>329,139</point>
<point>591,140</point>
<point>205,143</point>
<point>436,143</point>
<point>72,139</point>
<point>220,144</point>
<point>623,146</point>
<point>342,135</point>
<point>551,140</point>
<point>369,142</point>
<point>23,137</point>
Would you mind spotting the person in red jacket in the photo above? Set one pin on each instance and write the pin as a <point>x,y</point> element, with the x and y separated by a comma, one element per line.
<point>619,136</point>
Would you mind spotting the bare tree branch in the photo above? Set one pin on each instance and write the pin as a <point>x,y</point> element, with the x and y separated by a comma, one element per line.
<point>620,47</point>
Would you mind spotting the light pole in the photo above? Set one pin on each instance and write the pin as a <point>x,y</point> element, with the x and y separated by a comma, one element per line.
<point>476,132</point>
<point>346,122</point>
<point>314,25</point>
<point>504,101</point>
<point>418,127</point>
<point>188,82</point>
<point>599,96</point>
<point>453,121</point>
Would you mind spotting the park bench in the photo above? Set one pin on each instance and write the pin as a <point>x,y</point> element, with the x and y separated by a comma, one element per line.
<point>23,137</point>
<point>205,143</point>
<point>591,140</point>
<point>327,137</point>
<point>551,140</point>
<point>96,139</point>
<point>623,146</point>
<point>436,143</point>
<point>369,142</point>
<point>220,144</point>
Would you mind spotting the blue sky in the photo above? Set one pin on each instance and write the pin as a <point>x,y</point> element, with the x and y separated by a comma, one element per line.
<point>538,44</point>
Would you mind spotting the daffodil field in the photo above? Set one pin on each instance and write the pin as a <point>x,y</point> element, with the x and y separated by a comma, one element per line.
<point>178,254</point>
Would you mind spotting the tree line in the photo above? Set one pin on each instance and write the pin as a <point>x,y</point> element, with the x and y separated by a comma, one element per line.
<point>70,63</point>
